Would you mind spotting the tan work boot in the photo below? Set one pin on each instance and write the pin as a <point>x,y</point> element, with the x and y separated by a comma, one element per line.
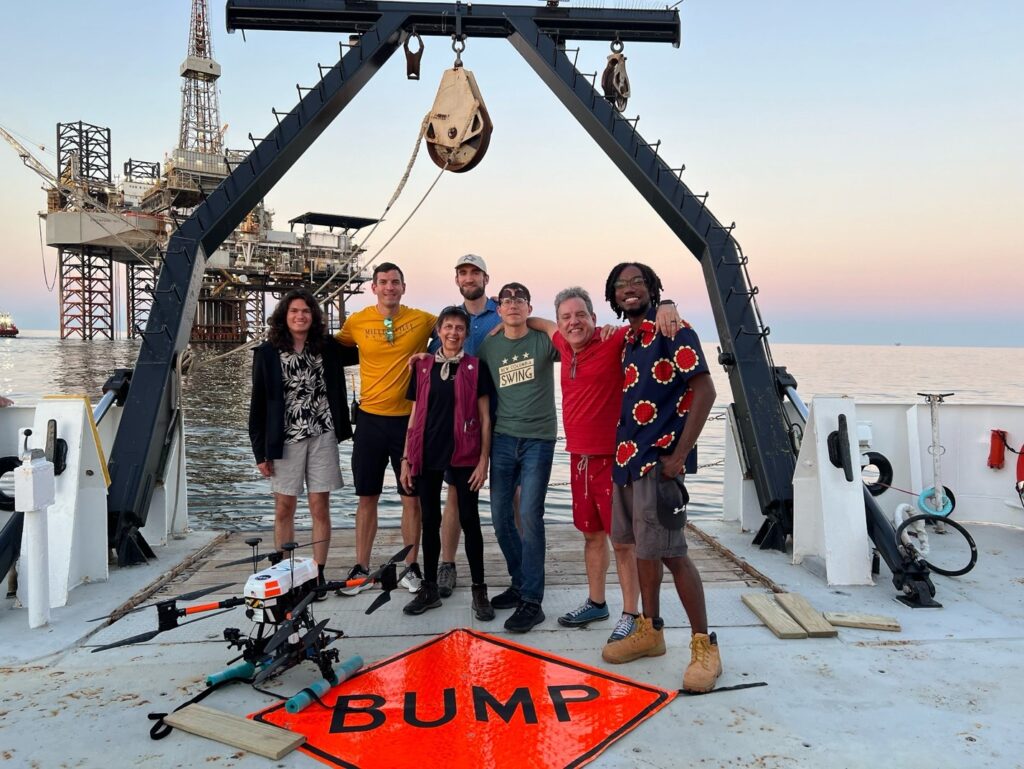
<point>705,664</point>
<point>644,641</point>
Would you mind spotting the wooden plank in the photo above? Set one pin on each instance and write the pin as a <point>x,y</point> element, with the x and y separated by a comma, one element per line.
<point>810,619</point>
<point>772,615</point>
<point>866,621</point>
<point>264,739</point>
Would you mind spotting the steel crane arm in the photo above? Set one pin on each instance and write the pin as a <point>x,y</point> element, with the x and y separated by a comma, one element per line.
<point>29,159</point>
<point>537,34</point>
<point>151,405</point>
<point>445,19</point>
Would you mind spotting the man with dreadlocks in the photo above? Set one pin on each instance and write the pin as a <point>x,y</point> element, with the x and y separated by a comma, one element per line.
<point>667,396</point>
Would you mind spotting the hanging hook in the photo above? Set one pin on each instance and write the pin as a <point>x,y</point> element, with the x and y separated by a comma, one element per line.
<point>617,45</point>
<point>412,58</point>
<point>458,45</point>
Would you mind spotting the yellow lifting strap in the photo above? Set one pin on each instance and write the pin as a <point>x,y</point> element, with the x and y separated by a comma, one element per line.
<point>458,126</point>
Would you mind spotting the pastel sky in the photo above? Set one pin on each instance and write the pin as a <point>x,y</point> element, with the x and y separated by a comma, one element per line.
<point>869,153</point>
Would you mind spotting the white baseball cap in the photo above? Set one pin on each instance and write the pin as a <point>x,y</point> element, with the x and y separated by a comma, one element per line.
<point>474,261</point>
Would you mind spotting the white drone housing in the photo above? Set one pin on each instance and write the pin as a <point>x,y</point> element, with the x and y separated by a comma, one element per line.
<point>279,579</point>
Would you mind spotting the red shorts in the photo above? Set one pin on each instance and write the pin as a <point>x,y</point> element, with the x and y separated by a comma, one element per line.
<point>591,482</point>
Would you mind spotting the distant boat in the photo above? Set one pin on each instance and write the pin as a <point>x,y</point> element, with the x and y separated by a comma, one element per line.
<point>7,327</point>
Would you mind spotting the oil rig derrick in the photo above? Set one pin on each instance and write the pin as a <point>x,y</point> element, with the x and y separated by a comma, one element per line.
<point>97,223</point>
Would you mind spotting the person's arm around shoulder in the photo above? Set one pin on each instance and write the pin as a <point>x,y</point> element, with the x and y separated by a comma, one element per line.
<point>346,334</point>
<point>667,319</point>
<point>544,325</point>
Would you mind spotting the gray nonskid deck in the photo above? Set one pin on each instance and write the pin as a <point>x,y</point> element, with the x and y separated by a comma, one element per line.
<point>942,693</point>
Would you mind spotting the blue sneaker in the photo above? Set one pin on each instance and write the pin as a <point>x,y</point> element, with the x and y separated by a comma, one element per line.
<point>624,627</point>
<point>583,615</point>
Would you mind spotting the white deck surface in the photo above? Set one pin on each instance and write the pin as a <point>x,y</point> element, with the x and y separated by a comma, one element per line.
<point>947,691</point>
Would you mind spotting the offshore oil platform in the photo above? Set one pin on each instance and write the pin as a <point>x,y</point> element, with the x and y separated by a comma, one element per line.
<point>97,222</point>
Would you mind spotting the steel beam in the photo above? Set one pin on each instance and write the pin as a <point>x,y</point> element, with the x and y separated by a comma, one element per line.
<point>356,16</point>
<point>151,407</point>
<point>763,426</point>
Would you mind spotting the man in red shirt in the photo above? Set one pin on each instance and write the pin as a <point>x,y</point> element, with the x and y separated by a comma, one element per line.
<point>591,398</point>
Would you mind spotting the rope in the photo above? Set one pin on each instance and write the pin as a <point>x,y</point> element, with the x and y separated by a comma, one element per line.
<point>394,198</point>
<point>56,268</point>
<point>395,235</point>
<point>1011,449</point>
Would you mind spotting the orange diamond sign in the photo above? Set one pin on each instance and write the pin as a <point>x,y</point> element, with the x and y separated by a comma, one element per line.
<point>477,701</point>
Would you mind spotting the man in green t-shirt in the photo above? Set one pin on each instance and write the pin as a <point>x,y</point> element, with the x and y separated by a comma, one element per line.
<point>520,364</point>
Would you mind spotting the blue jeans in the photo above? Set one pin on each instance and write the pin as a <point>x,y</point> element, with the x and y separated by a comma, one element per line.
<point>527,461</point>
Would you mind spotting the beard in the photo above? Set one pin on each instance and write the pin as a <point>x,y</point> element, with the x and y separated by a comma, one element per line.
<point>637,312</point>
<point>472,292</point>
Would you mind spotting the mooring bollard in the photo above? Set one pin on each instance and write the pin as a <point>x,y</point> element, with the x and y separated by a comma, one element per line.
<point>34,491</point>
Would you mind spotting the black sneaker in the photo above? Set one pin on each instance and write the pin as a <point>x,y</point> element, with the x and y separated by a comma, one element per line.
<point>321,595</point>
<point>481,606</point>
<point>509,599</point>
<point>445,578</point>
<point>426,598</point>
<point>358,572</point>
<point>526,617</point>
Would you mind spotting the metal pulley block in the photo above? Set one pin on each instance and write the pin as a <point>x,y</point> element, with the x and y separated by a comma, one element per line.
<point>615,81</point>
<point>458,127</point>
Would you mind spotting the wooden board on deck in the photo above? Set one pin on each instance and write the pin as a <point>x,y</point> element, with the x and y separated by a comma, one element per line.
<point>773,615</point>
<point>264,739</point>
<point>810,619</point>
<point>866,621</point>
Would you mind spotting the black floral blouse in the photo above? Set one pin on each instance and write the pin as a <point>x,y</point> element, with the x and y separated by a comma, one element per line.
<point>306,410</point>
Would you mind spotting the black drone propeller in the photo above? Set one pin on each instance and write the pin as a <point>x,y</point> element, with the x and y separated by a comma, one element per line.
<point>183,597</point>
<point>268,556</point>
<point>143,637</point>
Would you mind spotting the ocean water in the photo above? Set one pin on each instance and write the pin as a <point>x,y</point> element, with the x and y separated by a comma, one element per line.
<point>226,491</point>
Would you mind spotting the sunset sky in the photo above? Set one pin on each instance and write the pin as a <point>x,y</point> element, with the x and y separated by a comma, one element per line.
<point>870,154</point>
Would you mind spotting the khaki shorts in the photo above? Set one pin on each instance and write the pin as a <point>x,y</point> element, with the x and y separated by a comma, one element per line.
<point>311,461</point>
<point>635,520</point>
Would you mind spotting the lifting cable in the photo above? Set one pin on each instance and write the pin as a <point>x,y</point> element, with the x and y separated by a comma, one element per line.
<point>42,258</point>
<point>195,362</point>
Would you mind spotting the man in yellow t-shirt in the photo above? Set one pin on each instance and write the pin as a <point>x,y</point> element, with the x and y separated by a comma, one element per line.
<point>386,334</point>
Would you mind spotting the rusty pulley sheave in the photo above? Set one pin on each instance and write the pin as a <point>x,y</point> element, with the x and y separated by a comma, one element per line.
<point>614,80</point>
<point>458,128</point>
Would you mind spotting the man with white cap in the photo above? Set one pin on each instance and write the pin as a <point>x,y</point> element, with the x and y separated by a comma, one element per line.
<point>471,278</point>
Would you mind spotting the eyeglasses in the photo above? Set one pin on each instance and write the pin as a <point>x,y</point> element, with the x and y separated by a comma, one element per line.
<point>389,330</point>
<point>634,282</point>
<point>508,301</point>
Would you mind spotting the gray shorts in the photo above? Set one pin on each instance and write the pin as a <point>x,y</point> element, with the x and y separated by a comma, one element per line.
<point>313,461</point>
<point>635,520</point>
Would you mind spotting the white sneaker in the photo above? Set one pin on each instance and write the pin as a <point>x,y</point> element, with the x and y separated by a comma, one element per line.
<point>412,580</point>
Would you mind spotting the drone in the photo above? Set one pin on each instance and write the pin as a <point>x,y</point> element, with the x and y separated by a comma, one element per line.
<point>278,600</point>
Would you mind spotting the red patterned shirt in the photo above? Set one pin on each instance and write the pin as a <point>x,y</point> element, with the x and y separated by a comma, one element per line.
<point>656,397</point>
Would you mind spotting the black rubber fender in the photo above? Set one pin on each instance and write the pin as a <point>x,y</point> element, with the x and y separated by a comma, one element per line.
<point>884,473</point>
<point>7,465</point>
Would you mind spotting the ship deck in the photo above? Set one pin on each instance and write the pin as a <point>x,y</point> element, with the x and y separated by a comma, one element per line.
<point>942,692</point>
